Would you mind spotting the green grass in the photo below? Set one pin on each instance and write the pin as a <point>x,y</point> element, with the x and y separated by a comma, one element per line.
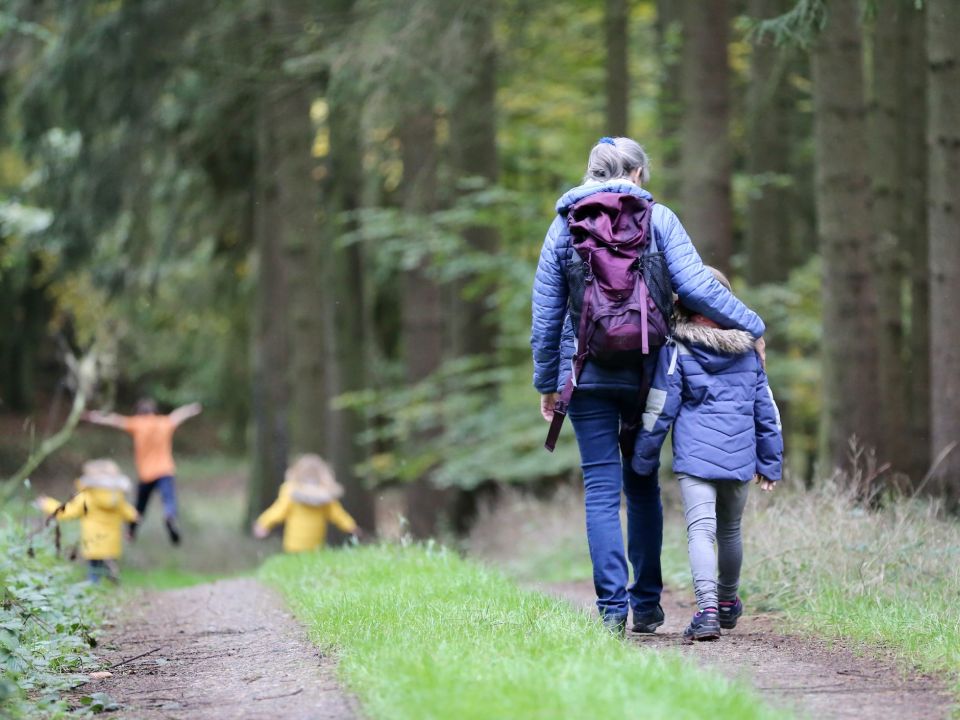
<point>421,633</point>
<point>887,580</point>
<point>164,578</point>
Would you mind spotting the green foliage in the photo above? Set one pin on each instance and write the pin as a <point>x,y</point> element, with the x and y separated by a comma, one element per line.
<point>792,313</point>
<point>446,638</point>
<point>798,26</point>
<point>479,423</point>
<point>46,625</point>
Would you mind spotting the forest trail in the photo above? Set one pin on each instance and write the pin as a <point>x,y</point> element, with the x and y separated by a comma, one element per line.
<point>226,649</point>
<point>816,679</point>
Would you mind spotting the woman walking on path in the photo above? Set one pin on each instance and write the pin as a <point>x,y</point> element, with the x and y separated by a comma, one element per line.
<point>608,397</point>
<point>153,454</point>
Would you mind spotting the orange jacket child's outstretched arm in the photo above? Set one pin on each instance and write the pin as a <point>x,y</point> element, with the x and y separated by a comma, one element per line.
<point>113,420</point>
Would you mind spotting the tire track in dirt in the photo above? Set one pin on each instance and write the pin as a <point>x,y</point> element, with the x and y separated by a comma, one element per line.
<point>815,678</point>
<point>227,649</point>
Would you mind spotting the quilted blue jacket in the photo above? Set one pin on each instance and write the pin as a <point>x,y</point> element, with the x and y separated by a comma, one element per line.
<point>710,385</point>
<point>552,333</point>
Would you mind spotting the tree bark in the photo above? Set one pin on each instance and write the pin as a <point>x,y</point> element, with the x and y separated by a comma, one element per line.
<point>347,282</point>
<point>887,174</point>
<point>913,121</point>
<point>669,97</point>
<point>943,134</point>
<point>422,314</point>
<point>706,153</point>
<point>270,402</point>
<point>473,124</point>
<point>850,346</point>
<point>617,35</point>
<point>770,107</point>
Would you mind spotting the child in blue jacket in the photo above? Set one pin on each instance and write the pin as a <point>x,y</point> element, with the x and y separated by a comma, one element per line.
<point>711,387</point>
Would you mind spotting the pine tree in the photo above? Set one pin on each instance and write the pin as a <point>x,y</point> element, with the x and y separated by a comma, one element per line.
<point>943,134</point>
<point>851,397</point>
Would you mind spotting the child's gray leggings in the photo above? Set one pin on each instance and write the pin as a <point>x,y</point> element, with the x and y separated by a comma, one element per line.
<point>713,509</point>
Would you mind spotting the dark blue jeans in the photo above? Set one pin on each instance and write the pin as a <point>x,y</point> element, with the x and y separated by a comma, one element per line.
<point>596,416</point>
<point>168,494</point>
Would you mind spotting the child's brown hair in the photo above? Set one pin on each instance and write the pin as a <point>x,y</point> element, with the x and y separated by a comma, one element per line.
<point>720,277</point>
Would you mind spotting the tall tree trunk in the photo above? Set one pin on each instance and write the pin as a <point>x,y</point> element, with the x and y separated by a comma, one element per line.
<point>617,35</point>
<point>943,133</point>
<point>850,348</point>
<point>913,121</point>
<point>887,175</point>
<point>669,97</point>
<point>770,107</point>
<point>473,125</point>
<point>302,238</point>
<point>346,280</point>
<point>707,212</point>
<point>422,315</point>
<point>270,338</point>
<point>304,245</point>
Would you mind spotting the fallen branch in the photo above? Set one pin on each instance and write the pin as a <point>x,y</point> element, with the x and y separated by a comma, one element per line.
<point>135,657</point>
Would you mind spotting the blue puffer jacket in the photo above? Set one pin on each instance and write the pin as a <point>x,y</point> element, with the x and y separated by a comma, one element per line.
<point>710,383</point>
<point>552,334</point>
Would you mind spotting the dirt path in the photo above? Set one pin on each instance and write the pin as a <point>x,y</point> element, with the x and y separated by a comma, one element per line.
<point>222,650</point>
<point>816,679</point>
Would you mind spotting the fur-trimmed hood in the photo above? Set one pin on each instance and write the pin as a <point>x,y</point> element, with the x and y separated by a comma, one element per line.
<point>311,481</point>
<point>103,475</point>
<point>728,342</point>
<point>714,348</point>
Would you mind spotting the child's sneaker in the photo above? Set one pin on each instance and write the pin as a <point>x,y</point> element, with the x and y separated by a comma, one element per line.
<point>704,626</point>
<point>648,622</point>
<point>730,611</point>
<point>173,530</point>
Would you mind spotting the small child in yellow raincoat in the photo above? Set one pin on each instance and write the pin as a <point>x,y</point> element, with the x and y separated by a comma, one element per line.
<point>101,506</point>
<point>309,498</point>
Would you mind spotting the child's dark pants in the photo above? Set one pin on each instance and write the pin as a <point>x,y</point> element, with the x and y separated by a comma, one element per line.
<point>168,494</point>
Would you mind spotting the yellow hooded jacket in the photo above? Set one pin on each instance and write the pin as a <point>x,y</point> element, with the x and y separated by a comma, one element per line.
<point>102,513</point>
<point>305,526</point>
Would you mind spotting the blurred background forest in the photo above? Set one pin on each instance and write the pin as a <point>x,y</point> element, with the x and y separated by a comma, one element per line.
<point>321,219</point>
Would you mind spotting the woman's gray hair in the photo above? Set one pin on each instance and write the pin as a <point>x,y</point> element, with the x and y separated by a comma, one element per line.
<point>616,160</point>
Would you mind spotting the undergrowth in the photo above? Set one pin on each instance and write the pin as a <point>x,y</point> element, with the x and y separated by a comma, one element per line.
<point>887,578</point>
<point>422,633</point>
<point>46,621</point>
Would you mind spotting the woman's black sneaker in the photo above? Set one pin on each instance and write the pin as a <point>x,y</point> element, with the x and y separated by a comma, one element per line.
<point>704,626</point>
<point>729,613</point>
<point>648,622</point>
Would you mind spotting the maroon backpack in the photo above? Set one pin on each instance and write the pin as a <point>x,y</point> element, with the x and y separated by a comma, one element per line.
<point>620,295</point>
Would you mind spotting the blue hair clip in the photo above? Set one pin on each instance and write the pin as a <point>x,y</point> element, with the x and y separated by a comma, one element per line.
<point>606,141</point>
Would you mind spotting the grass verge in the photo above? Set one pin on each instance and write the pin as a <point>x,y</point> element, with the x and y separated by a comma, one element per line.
<point>421,633</point>
<point>885,579</point>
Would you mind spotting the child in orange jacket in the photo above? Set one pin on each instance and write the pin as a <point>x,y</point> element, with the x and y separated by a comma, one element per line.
<point>101,506</point>
<point>308,500</point>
